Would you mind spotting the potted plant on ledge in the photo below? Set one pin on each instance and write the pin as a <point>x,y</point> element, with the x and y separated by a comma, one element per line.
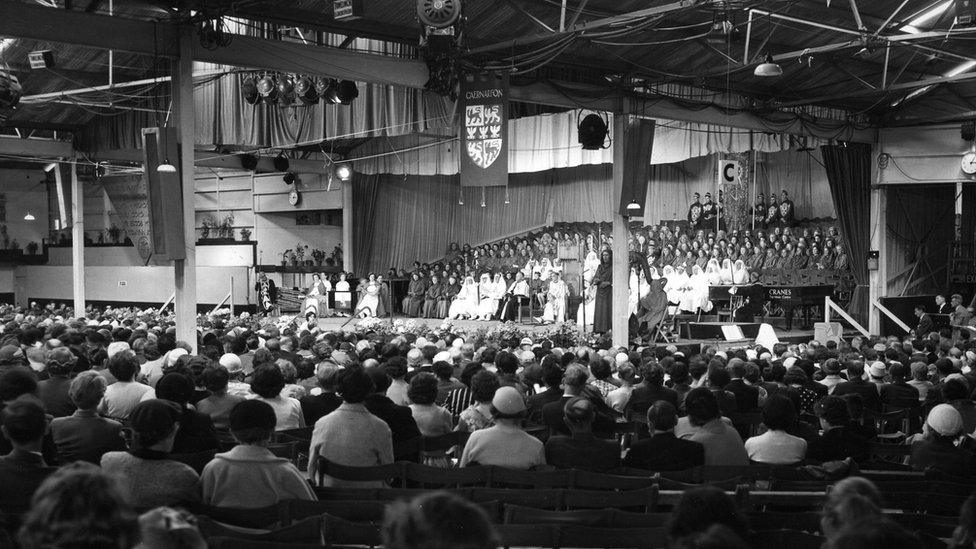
<point>319,256</point>
<point>246,234</point>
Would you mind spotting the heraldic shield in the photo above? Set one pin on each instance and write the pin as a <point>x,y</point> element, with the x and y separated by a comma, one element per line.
<point>483,124</point>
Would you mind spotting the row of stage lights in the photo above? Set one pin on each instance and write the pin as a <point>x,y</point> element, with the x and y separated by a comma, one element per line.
<point>284,90</point>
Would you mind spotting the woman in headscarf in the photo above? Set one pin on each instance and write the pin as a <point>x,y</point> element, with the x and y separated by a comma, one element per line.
<point>451,291</point>
<point>545,267</point>
<point>590,265</point>
<point>415,295</point>
<point>603,281</point>
<point>740,275</point>
<point>697,293</point>
<point>712,275</point>
<point>465,305</point>
<point>671,287</point>
<point>726,273</point>
<point>487,302</point>
<point>702,259</point>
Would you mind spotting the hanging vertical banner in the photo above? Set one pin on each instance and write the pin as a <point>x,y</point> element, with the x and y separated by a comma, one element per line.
<point>130,199</point>
<point>484,129</point>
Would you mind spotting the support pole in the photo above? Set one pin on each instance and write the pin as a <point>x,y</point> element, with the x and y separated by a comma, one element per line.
<point>878,279</point>
<point>347,256</point>
<point>231,297</point>
<point>185,269</point>
<point>77,242</point>
<point>621,276</point>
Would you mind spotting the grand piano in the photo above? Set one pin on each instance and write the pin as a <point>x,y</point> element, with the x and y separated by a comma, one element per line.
<point>789,298</point>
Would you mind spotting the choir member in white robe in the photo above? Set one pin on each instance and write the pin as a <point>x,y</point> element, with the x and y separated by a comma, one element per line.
<point>487,302</point>
<point>726,272</point>
<point>712,274</point>
<point>740,274</point>
<point>465,305</point>
<point>590,265</point>
<point>555,310</point>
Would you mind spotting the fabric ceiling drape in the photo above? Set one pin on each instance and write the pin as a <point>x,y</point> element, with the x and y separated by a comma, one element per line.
<point>849,175</point>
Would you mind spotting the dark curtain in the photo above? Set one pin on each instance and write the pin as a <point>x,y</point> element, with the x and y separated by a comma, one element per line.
<point>920,227</point>
<point>849,176</point>
<point>365,197</point>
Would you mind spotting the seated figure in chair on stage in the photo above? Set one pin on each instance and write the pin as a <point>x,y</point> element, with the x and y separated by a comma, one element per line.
<point>317,297</point>
<point>434,293</point>
<point>487,299</point>
<point>267,293</point>
<point>516,296</point>
<point>414,302</point>
<point>537,286</point>
<point>369,297</point>
<point>343,297</point>
<point>451,291</point>
<point>556,294</point>
<point>465,304</point>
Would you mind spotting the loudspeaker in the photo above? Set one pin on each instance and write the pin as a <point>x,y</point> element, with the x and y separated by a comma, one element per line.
<point>965,12</point>
<point>638,140</point>
<point>165,200</point>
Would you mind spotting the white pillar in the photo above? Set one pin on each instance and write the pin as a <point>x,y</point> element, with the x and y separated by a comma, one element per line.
<point>185,269</point>
<point>878,279</point>
<point>77,241</point>
<point>621,276</point>
<point>348,261</point>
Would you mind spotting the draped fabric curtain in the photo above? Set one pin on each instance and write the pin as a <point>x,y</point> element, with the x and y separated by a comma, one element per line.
<point>920,228</point>
<point>801,173</point>
<point>364,202</point>
<point>849,176</point>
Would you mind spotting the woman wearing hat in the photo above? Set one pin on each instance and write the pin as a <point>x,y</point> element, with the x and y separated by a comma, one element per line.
<point>937,449</point>
<point>505,443</point>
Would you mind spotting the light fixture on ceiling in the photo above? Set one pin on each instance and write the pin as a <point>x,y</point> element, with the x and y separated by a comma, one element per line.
<point>166,167</point>
<point>591,132</point>
<point>507,201</point>
<point>483,203</point>
<point>633,205</point>
<point>29,216</point>
<point>51,167</point>
<point>461,196</point>
<point>343,171</point>
<point>768,68</point>
<point>914,25</point>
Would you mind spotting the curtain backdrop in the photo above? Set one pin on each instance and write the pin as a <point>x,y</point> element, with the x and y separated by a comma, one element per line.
<point>849,176</point>
<point>920,224</point>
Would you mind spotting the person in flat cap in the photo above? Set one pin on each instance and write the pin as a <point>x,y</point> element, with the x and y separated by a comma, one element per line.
<point>787,212</point>
<point>147,476</point>
<point>937,449</point>
<point>695,212</point>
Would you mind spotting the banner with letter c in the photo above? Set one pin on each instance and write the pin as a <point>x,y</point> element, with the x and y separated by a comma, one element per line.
<point>484,129</point>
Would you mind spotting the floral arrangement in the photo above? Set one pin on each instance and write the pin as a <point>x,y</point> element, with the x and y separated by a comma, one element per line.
<point>300,252</point>
<point>245,234</point>
<point>318,255</point>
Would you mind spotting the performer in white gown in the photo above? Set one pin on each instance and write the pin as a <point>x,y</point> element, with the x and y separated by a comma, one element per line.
<point>487,302</point>
<point>590,265</point>
<point>726,272</point>
<point>343,297</point>
<point>545,267</point>
<point>673,287</point>
<point>697,295</point>
<point>369,300</point>
<point>317,298</point>
<point>586,310</point>
<point>740,274</point>
<point>712,274</point>
<point>465,305</point>
<point>555,310</point>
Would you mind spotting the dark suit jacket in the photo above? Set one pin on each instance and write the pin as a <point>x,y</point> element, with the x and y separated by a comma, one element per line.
<point>746,396</point>
<point>925,325</point>
<point>943,310</point>
<point>552,416</point>
<point>536,402</point>
<point>837,444</point>
<point>644,396</point>
<point>85,436</point>
<point>53,393</point>
<point>947,458</point>
<point>868,391</point>
<point>665,452</point>
<point>582,452</point>
<point>20,475</point>
<point>196,434</point>
<point>318,406</point>
<point>399,418</point>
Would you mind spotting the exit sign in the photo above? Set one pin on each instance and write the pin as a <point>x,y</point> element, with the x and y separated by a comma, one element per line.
<point>346,10</point>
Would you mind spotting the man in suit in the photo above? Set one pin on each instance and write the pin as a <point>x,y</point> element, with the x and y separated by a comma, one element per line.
<point>838,440</point>
<point>960,315</point>
<point>651,390</point>
<point>925,324</point>
<point>663,451</point>
<point>574,382</point>
<point>552,376</point>
<point>581,450</point>
<point>746,396</point>
<point>941,306</point>
<point>857,384</point>
<point>23,469</point>
<point>399,418</point>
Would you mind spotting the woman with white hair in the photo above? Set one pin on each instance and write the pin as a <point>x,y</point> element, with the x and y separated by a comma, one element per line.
<point>465,305</point>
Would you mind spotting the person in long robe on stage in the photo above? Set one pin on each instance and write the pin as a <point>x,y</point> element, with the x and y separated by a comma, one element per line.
<point>671,287</point>
<point>586,309</point>
<point>267,293</point>
<point>516,296</point>
<point>740,274</point>
<point>432,296</point>
<point>603,281</point>
<point>556,294</point>
<point>696,297</point>
<point>486,301</point>
<point>712,274</point>
<point>465,305</point>
<point>384,307</point>
<point>590,266</point>
<point>787,212</point>
<point>369,297</point>
<point>317,297</point>
<point>633,287</point>
<point>451,291</point>
<point>726,273</point>
<point>342,296</point>
<point>415,296</point>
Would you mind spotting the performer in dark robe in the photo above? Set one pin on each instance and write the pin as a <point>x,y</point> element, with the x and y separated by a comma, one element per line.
<point>750,302</point>
<point>267,293</point>
<point>709,213</point>
<point>787,213</point>
<point>720,211</point>
<point>772,213</point>
<point>434,293</point>
<point>451,291</point>
<point>759,211</point>
<point>695,212</point>
<point>415,296</point>
<point>603,281</point>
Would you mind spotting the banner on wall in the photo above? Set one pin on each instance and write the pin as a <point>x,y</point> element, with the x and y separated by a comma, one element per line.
<point>484,129</point>
<point>130,199</point>
<point>729,172</point>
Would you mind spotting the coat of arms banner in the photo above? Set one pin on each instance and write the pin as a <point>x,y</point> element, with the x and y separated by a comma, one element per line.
<point>484,129</point>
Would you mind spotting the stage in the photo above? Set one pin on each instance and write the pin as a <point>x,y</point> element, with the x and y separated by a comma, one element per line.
<point>796,335</point>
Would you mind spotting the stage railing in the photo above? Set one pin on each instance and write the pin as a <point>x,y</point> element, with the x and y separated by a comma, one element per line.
<point>829,304</point>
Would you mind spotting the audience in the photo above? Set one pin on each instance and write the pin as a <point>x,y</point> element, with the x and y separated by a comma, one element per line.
<point>704,507</point>
<point>705,425</point>
<point>268,383</point>
<point>249,475</point>
<point>219,404</point>
<point>22,422</point>
<point>438,520</point>
<point>54,390</point>
<point>581,449</point>
<point>122,396</point>
<point>318,404</point>
<point>936,448</point>
<point>196,432</point>
<point>663,451</point>
<point>776,446</point>
<point>84,435</point>
<point>504,443</point>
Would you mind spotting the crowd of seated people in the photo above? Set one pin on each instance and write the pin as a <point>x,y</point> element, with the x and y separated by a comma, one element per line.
<point>111,410</point>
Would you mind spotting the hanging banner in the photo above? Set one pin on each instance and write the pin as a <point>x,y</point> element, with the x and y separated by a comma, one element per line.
<point>484,130</point>
<point>130,199</point>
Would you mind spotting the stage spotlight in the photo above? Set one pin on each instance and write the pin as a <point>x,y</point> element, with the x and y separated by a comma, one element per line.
<point>250,90</point>
<point>249,161</point>
<point>343,171</point>
<point>347,91</point>
<point>166,167</point>
<point>329,90</point>
<point>286,90</point>
<point>592,132</point>
<point>267,88</point>
<point>280,162</point>
<point>768,68</point>
<point>305,90</point>
<point>289,178</point>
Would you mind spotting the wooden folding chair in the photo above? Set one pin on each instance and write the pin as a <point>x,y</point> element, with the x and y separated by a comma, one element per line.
<point>337,531</point>
<point>590,536</point>
<point>389,473</point>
